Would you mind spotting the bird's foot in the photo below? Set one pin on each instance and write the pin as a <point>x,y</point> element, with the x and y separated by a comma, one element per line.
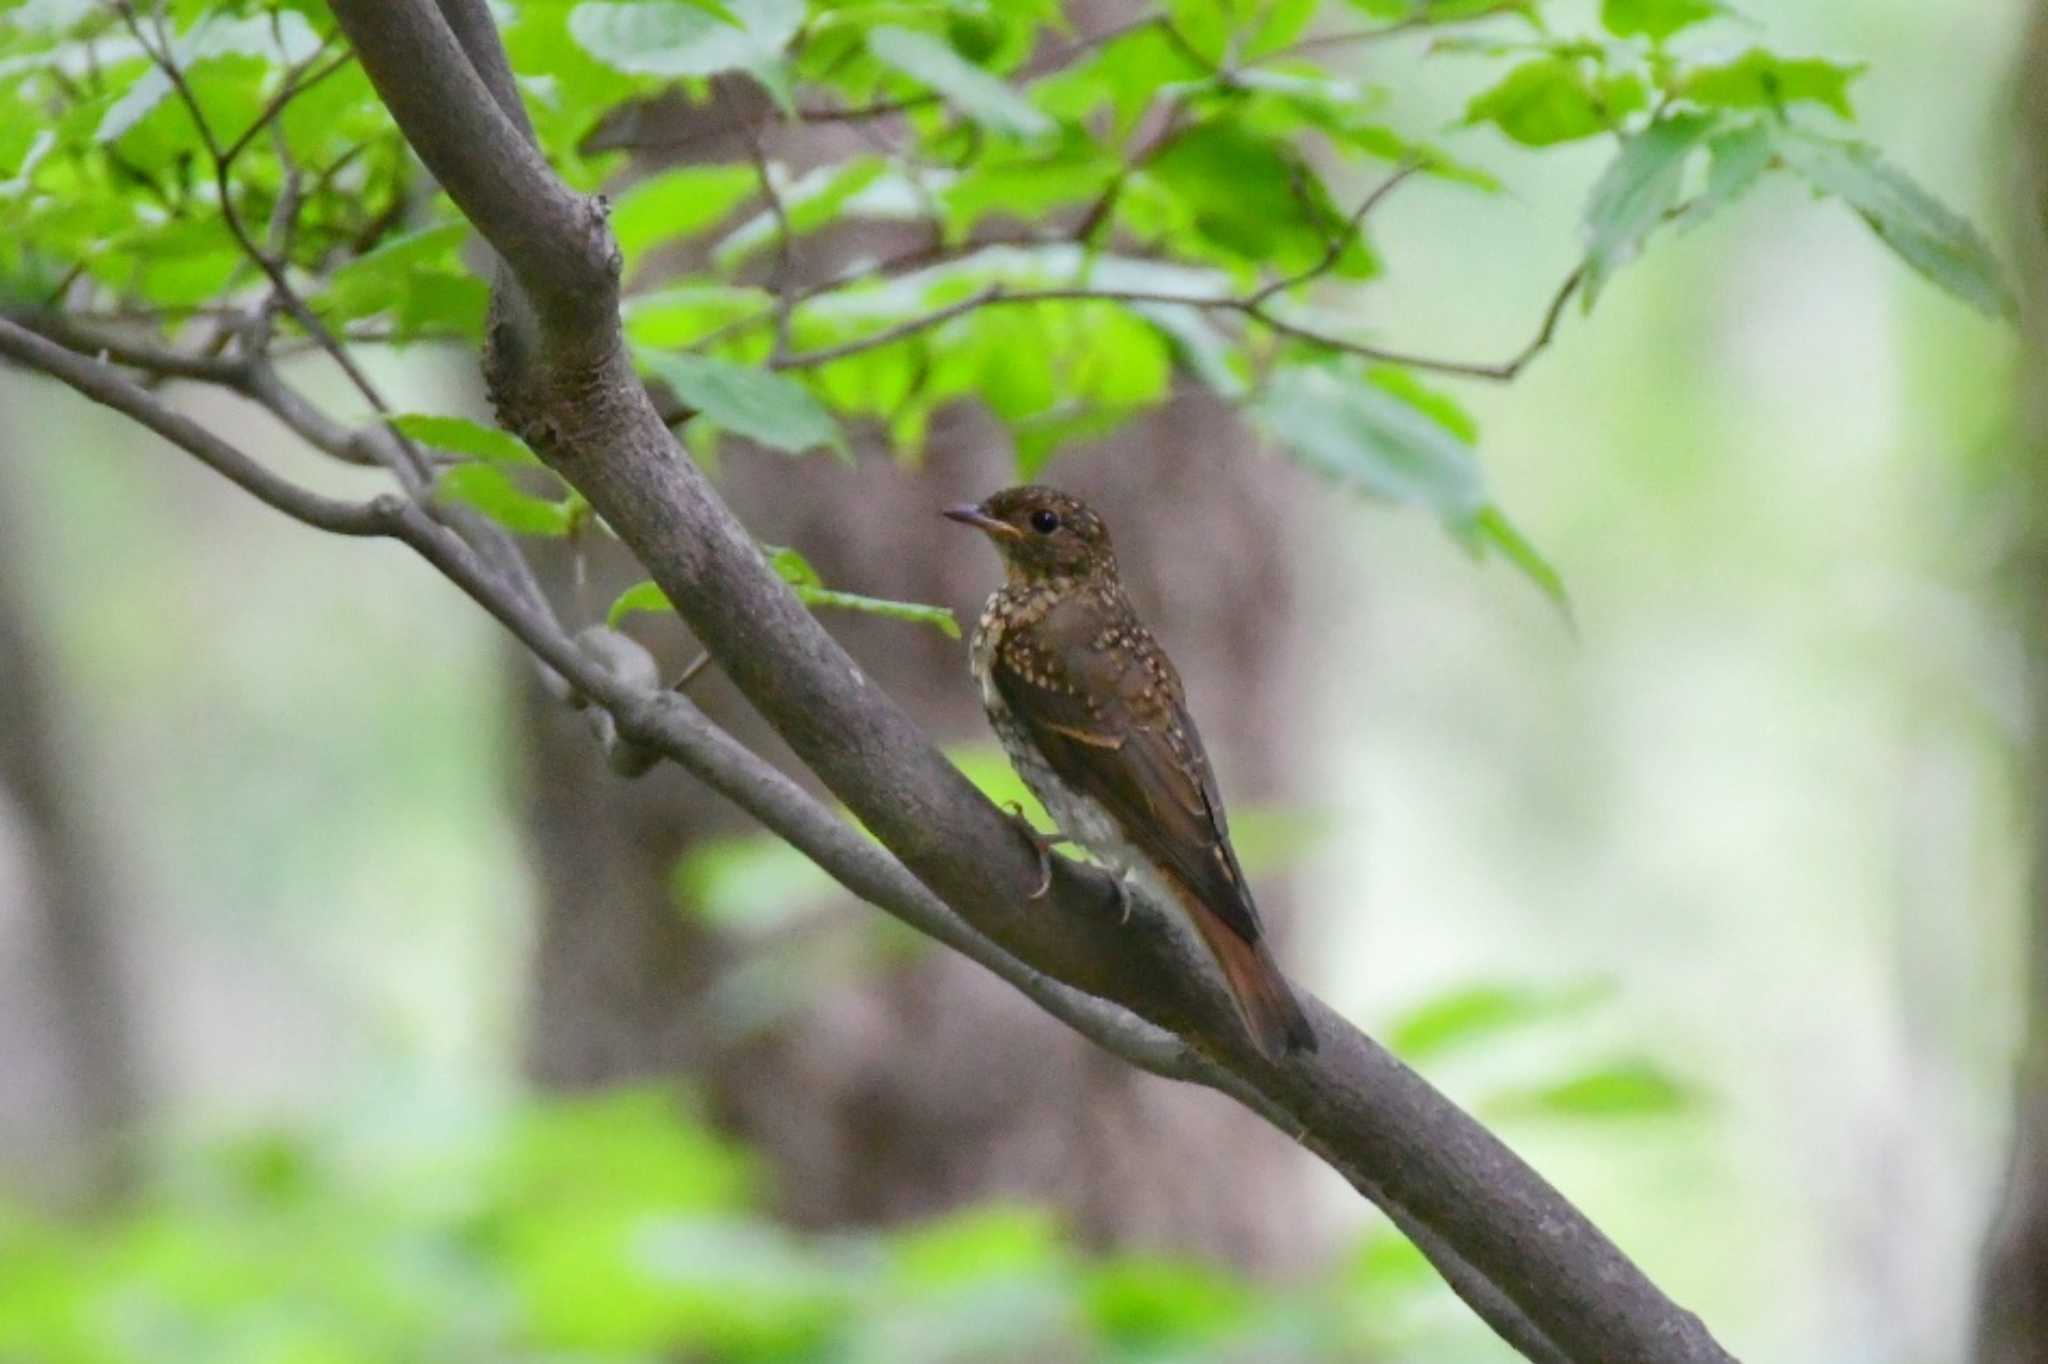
<point>1042,844</point>
<point>1122,888</point>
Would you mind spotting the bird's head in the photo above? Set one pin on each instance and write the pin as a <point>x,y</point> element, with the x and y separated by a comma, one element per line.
<point>1041,533</point>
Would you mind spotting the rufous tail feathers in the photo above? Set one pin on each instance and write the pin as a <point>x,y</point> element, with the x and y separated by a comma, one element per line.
<point>1263,997</point>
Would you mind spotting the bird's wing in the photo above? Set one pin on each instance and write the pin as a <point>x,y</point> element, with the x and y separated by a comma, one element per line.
<point>1106,709</point>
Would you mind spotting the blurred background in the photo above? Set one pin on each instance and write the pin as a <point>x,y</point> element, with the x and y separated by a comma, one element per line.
<point>323,932</point>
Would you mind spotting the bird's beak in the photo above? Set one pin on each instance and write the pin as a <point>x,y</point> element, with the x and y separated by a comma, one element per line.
<point>968,514</point>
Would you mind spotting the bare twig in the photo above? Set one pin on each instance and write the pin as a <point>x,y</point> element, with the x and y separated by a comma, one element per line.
<point>409,465</point>
<point>785,247</point>
<point>1250,306</point>
<point>1339,242</point>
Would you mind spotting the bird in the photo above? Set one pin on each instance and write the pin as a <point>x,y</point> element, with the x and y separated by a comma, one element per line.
<point>1093,716</point>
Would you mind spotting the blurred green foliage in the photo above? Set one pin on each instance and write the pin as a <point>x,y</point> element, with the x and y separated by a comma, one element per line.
<point>610,1229</point>
<point>621,1229</point>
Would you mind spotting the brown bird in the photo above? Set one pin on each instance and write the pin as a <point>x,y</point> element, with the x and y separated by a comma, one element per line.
<point>1092,715</point>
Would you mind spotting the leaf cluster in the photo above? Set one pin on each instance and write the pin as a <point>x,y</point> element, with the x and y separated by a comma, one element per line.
<point>1097,218</point>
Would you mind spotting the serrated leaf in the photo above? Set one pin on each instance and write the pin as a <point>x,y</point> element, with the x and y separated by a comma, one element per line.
<point>1369,438</point>
<point>1555,99</point>
<point>1628,1088</point>
<point>749,401</point>
<point>1763,80</point>
<point>1387,436</point>
<point>1936,241</point>
<point>977,93</point>
<point>1655,19</point>
<point>1632,196</point>
<point>491,491</point>
<point>465,437</point>
<point>1735,160</point>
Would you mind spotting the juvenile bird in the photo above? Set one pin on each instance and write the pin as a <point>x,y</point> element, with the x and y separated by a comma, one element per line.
<point>1092,716</point>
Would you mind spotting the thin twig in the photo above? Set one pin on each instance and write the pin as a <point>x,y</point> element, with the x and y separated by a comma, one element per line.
<point>785,247</point>
<point>1252,307</point>
<point>1339,242</point>
<point>410,465</point>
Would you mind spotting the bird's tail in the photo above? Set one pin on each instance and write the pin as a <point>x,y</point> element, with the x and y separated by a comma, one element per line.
<point>1263,997</point>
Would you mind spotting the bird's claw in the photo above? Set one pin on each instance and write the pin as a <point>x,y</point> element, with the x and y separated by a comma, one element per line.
<point>1040,844</point>
<point>1122,892</point>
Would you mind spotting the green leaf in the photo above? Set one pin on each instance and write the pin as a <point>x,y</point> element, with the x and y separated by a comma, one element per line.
<point>673,319</point>
<point>810,589</point>
<point>666,38</point>
<point>1371,439</point>
<point>983,97</point>
<point>1762,80</point>
<point>1655,19</point>
<point>1492,527</point>
<point>1481,1012</point>
<point>813,201</point>
<point>748,882</point>
<point>1149,1305</point>
<point>465,437</point>
<point>491,491</point>
<point>1927,235</point>
<point>646,596</point>
<point>1736,158</point>
<point>792,567</point>
<point>1632,196</point>
<point>1224,192</point>
<point>749,401</point>
<point>1627,1088</point>
<point>282,39</point>
<point>676,203</point>
<point>1387,436</point>
<point>1553,99</point>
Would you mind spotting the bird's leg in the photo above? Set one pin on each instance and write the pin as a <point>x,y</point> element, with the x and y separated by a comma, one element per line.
<point>1042,844</point>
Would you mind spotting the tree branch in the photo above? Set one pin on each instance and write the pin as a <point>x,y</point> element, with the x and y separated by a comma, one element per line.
<point>1252,306</point>
<point>560,373</point>
<point>673,727</point>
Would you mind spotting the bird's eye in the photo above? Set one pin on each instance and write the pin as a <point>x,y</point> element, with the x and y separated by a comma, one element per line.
<point>1045,520</point>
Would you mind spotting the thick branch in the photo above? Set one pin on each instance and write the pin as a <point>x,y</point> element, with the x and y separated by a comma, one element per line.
<point>578,401</point>
<point>672,726</point>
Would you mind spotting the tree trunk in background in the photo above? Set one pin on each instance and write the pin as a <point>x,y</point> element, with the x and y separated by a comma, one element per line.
<point>73,1094</point>
<point>2012,1326</point>
<point>923,1083</point>
<point>881,1085</point>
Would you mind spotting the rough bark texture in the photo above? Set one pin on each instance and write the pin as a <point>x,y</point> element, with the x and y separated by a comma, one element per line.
<point>2012,1325</point>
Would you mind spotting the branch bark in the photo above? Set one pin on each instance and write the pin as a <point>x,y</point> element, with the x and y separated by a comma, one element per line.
<point>1527,1261</point>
